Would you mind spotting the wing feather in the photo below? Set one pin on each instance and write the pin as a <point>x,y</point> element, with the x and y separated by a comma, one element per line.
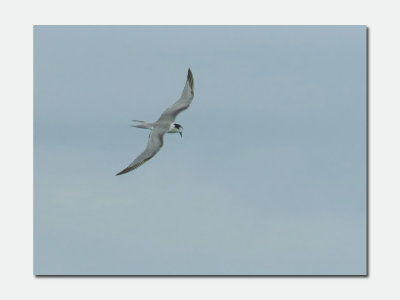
<point>156,141</point>
<point>183,103</point>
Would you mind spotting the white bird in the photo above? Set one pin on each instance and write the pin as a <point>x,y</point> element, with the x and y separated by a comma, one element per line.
<point>164,124</point>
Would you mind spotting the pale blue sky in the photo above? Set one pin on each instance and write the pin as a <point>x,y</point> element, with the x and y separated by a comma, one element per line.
<point>269,178</point>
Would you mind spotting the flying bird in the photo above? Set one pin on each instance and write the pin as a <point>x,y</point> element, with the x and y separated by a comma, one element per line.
<point>164,124</point>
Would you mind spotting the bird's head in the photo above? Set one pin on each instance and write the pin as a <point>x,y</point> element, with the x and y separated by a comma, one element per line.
<point>179,128</point>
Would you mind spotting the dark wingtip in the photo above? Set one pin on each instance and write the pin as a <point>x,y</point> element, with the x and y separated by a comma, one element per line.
<point>122,172</point>
<point>190,79</point>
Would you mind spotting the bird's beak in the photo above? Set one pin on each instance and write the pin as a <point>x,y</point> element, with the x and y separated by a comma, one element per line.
<point>180,133</point>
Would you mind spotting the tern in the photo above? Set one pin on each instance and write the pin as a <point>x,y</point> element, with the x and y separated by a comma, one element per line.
<point>164,124</point>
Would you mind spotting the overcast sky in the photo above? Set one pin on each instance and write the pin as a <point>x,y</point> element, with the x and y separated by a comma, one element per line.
<point>268,179</point>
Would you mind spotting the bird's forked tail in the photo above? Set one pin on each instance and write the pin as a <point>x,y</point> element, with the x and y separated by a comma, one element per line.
<point>142,124</point>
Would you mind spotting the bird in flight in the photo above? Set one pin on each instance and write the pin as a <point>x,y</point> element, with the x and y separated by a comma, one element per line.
<point>164,124</point>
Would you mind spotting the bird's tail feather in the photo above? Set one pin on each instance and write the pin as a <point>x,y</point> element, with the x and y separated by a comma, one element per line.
<point>142,124</point>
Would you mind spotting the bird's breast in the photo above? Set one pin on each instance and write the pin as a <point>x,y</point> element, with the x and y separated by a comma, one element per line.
<point>173,130</point>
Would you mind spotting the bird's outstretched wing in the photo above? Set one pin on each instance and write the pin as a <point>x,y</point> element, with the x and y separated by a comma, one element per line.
<point>156,141</point>
<point>183,103</point>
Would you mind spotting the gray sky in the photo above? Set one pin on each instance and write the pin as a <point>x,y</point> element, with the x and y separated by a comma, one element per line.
<point>269,178</point>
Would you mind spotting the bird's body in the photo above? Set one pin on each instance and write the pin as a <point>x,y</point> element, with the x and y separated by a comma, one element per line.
<point>164,124</point>
<point>173,127</point>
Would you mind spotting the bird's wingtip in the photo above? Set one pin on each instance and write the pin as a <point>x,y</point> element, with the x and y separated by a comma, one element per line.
<point>190,75</point>
<point>120,173</point>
